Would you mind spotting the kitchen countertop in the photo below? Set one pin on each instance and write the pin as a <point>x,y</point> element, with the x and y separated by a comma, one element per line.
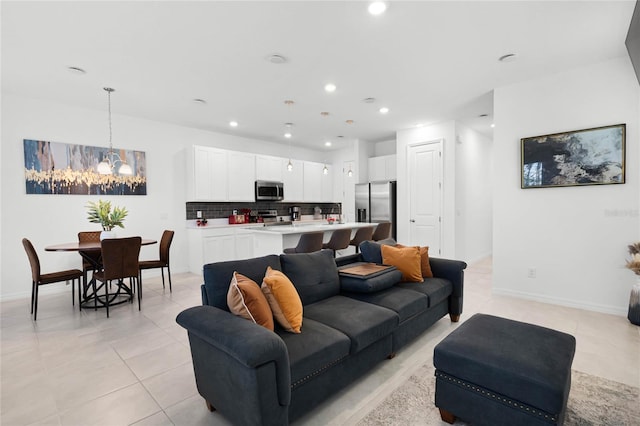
<point>304,227</point>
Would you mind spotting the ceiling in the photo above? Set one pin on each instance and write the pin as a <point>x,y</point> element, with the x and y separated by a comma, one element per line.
<point>427,61</point>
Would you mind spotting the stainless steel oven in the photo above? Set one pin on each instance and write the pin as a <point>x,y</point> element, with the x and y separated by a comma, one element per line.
<point>269,191</point>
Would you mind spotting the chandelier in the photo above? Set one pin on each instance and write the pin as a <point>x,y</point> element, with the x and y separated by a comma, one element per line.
<point>108,164</point>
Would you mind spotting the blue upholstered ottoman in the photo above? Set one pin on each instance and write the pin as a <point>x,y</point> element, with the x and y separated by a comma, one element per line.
<point>494,371</point>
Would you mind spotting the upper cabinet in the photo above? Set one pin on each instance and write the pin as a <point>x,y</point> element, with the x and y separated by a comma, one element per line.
<point>221,175</point>
<point>270,168</point>
<point>208,174</point>
<point>382,168</point>
<point>242,176</point>
<point>293,180</point>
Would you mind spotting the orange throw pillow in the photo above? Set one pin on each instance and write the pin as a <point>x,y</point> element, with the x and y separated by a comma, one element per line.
<point>284,300</point>
<point>406,259</point>
<point>425,267</point>
<point>246,300</point>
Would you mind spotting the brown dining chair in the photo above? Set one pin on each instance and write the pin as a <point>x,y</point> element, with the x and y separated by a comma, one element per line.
<point>38,278</point>
<point>119,261</point>
<point>163,262</point>
<point>89,259</point>
<point>362,234</point>
<point>308,243</point>
<point>339,240</point>
<point>383,231</point>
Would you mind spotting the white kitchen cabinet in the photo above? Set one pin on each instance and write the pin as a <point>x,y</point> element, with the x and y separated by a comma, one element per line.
<point>382,168</point>
<point>312,181</point>
<point>269,168</point>
<point>244,244</point>
<point>293,180</point>
<point>241,176</point>
<point>208,174</point>
<point>326,185</point>
<point>218,248</point>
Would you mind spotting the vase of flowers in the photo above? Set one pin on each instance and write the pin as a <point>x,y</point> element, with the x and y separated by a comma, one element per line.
<point>102,213</point>
<point>634,298</point>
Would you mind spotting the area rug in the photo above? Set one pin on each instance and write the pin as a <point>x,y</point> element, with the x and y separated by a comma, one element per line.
<point>592,401</point>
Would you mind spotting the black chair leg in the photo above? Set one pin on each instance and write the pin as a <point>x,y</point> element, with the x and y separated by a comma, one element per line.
<point>169,274</point>
<point>33,294</point>
<point>162,272</point>
<point>79,293</point>
<point>35,305</point>
<point>106,292</point>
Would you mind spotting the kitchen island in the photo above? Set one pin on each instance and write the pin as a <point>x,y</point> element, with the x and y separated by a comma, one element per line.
<point>274,239</point>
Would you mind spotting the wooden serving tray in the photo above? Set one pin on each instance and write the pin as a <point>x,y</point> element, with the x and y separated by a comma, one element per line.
<point>365,269</point>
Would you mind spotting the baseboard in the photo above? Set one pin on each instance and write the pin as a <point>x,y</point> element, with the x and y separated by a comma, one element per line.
<point>605,309</point>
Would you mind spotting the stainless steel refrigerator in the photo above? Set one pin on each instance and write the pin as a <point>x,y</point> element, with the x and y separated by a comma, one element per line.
<point>376,202</point>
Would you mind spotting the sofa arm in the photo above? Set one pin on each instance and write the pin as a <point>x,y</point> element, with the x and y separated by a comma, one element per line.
<point>452,270</point>
<point>350,258</point>
<point>237,365</point>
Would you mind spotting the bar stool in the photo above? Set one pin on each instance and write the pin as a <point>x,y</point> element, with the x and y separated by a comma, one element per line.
<point>383,230</point>
<point>339,240</point>
<point>362,234</point>
<point>308,243</point>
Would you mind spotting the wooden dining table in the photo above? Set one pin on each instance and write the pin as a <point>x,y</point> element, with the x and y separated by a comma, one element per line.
<point>87,250</point>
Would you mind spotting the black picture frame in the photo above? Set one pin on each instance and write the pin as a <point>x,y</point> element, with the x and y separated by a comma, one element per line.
<point>594,156</point>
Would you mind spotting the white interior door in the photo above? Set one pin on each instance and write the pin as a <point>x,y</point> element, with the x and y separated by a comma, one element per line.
<point>425,195</point>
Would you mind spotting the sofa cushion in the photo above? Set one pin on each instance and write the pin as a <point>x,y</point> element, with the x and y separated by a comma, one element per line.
<point>406,259</point>
<point>246,300</point>
<point>313,350</point>
<point>370,250</point>
<point>364,323</point>
<point>283,300</point>
<point>436,289</point>
<point>217,277</point>
<point>315,275</point>
<point>405,303</point>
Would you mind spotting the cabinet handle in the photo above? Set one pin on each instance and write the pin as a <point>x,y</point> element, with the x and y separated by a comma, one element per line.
<point>412,220</point>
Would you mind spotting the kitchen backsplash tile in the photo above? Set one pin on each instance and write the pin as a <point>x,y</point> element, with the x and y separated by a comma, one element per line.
<point>223,210</point>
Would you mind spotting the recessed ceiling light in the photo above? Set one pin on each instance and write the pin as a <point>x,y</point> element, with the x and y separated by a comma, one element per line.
<point>76,70</point>
<point>483,115</point>
<point>509,57</point>
<point>327,143</point>
<point>493,125</point>
<point>288,135</point>
<point>330,87</point>
<point>276,59</point>
<point>384,110</point>
<point>324,113</point>
<point>369,100</point>
<point>289,102</point>
<point>199,101</point>
<point>349,121</point>
<point>233,123</point>
<point>377,7</point>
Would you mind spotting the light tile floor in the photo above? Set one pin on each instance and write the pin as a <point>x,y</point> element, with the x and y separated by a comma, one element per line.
<point>80,368</point>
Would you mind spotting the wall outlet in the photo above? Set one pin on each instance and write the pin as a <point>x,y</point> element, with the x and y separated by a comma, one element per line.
<point>199,214</point>
<point>531,272</point>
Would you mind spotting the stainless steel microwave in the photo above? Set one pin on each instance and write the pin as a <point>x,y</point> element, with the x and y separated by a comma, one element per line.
<point>269,191</point>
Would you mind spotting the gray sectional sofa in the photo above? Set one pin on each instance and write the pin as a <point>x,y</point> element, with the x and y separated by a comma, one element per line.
<point>254,376</point>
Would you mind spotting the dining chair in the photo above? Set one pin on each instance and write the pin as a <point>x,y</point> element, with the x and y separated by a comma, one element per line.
<point>383,230</point>
<point>163,262</point>
<point>119,261</point>
<point>308,243</point>
<point>362,234</point>
<point>339,240</point>
<point>89,259</point>
<point>38,278</point>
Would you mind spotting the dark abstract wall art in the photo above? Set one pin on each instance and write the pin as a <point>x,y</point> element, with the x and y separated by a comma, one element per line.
<point>59,168</point>
<point>593,156</point>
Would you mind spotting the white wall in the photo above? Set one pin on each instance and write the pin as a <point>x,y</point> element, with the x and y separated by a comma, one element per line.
<point>384,148</point>
<point>405,138</point>
<point>474,199</point>
<point>51,219</point>
<point>575,237</point>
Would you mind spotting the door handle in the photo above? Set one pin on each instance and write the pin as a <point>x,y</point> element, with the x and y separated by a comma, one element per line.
<point>412,220</point>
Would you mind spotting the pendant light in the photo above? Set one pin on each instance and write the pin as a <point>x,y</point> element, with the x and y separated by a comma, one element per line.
<point>325,170</point>
<point>288,134</point>
<point>350,172</point>
<point>108,164</point>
